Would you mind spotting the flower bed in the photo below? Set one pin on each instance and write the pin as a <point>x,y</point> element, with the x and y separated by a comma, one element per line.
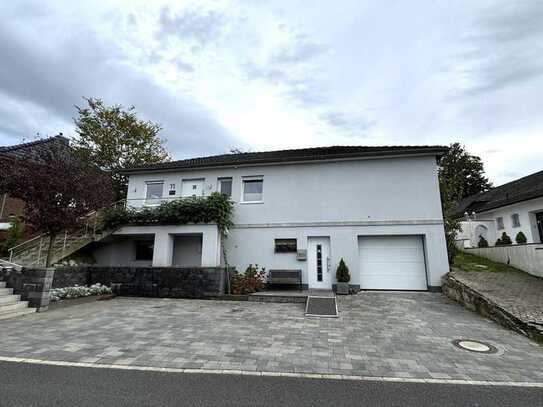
<point>57,294</point>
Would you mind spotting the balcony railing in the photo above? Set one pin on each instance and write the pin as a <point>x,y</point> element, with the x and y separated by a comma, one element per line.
<point>136,203</point>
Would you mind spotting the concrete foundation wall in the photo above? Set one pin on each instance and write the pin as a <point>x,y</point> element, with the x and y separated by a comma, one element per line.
<point>528,257</point>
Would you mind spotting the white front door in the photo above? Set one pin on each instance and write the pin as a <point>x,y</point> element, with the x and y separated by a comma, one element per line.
<point>318,263</point>
<point>192,187</point>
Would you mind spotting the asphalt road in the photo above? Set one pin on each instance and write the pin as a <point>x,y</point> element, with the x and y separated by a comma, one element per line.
<point>31,385</point>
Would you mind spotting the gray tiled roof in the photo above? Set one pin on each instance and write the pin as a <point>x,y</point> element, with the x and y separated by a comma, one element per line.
<point>522,189</point>
<point>284,156</point>
<point>32,149</point>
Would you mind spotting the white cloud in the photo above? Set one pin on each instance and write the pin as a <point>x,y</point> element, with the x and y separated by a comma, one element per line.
<point>280,74</point>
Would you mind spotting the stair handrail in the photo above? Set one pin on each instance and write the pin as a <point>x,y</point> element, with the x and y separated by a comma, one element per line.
<point>11,250</point>
<point>5,263</point>
<point>90,224</point>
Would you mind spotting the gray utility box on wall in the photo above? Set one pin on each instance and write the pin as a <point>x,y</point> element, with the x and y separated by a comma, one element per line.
<point>301,255</point>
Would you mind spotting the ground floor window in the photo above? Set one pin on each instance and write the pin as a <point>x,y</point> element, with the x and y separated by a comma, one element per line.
<point>144,249</point>
<point>285,246</point>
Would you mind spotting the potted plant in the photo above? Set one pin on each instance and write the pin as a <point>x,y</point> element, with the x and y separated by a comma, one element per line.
<point>343,277</point>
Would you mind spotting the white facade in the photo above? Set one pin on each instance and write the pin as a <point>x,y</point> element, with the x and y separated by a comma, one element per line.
<point>327,206</point>
<point>487,223</point>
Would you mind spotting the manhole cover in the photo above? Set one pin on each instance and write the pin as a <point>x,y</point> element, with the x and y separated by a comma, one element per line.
<point>474,346</point>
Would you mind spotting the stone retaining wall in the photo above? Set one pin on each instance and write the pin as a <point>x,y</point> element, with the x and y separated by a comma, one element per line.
<point>33,284</point>
<point>478,302</point>
<point>172,282</point>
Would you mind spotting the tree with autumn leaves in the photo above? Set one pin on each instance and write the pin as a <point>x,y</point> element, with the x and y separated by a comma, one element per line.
<point>57,187</point>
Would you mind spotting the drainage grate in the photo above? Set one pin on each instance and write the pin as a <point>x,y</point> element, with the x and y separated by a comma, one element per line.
<point>474,346</point>
<point>321,307</point>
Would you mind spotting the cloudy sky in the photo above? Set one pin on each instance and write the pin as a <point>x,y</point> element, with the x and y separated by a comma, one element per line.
<point>262,75</point>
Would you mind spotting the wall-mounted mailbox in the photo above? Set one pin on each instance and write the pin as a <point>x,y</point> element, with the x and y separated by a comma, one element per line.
<point>301,255</point>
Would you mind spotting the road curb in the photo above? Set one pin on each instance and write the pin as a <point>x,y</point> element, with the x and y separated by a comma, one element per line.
<point>269,374</point>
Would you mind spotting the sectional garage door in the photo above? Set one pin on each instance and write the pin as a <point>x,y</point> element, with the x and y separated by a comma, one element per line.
<point>392,263</point>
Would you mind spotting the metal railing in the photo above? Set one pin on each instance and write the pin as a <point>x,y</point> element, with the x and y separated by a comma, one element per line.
<point>136,203</point>
<point>4,264</point>
<point>34,251</point>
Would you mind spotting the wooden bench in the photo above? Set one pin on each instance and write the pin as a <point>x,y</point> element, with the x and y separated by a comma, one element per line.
<point>285,277</point>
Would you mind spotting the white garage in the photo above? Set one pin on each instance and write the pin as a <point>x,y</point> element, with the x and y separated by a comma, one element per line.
<point>392,263</point>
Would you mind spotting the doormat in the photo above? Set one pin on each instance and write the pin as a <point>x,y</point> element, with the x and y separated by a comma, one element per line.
<point>321,307</point>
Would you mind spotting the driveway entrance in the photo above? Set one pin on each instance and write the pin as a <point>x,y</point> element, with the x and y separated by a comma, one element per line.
<point>377,334</point>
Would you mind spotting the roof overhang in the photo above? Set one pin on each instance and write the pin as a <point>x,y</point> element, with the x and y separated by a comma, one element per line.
<point>411,152</point>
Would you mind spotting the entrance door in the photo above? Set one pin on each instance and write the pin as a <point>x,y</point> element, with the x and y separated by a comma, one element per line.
<point>318,252</point>
<point>539,220</point>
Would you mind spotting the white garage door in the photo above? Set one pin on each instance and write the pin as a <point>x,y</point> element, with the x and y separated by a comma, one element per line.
<point>392,263</point>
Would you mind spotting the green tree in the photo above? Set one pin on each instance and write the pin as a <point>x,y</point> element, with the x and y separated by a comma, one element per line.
<point>460,175</point>
<point>113,138</point>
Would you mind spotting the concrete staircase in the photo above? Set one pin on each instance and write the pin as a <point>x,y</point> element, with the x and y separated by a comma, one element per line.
<point>11,305</point>
<point>34,252</point>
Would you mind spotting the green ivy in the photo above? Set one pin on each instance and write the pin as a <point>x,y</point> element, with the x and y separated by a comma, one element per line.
<point>216,208</point>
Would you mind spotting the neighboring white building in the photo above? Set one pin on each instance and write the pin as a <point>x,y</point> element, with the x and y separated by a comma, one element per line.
<point>511,208</point>
<point>378,208</point>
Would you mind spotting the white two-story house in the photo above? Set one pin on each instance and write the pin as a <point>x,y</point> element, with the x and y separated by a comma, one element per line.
<point>378,208</point>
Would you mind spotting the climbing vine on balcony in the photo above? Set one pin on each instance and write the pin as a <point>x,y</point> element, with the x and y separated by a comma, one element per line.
<point>215,208</point>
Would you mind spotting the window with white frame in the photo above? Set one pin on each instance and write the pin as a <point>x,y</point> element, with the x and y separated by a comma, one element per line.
<point>192,187</point>
<point>252,189</point>
<point>153,194</point>
<point>499,223</point>
<point>225,186</point>
<point>515,220</point>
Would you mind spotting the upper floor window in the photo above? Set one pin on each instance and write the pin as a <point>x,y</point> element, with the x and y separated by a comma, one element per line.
<point>192,187</point>
<point>225,186</point>
<point>153,194</point>
<point>515,219</point>
<point>499,223</point>
<point>252,189</point>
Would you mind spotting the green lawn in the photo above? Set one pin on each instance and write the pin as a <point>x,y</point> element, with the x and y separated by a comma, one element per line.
<point>470,262</point>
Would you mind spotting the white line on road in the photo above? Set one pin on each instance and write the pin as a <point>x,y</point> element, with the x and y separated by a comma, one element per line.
<point>269,374</point>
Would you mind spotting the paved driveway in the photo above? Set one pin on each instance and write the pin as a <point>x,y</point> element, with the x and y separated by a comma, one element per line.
<point>377,334</point>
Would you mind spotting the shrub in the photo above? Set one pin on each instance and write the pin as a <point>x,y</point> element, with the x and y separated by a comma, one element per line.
<point>77,291</point>
<point>506,239</point>
<point>482,242</point>
<point>216,208</point>
<point>498,242</point>
<point>249,282</point>
<point>520,238</point>
<point>342,272</point>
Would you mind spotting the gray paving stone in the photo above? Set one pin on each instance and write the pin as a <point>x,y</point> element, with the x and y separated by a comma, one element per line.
<point>377,334</point>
